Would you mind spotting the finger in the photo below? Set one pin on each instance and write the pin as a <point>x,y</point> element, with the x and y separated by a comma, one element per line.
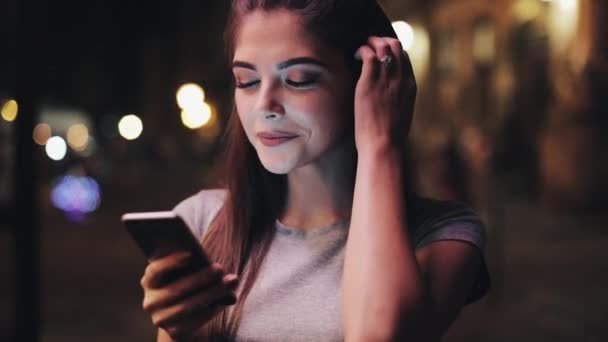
<point>190,325</point>
<point>369,70</point>
<point>182,287</point>
<point>230,279</point>
<point>400,55</point>
<point>159,268</point>
<point>382,47</point>
<point>202,301</point>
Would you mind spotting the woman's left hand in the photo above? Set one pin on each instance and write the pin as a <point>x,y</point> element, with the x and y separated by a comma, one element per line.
<point>384,96</point>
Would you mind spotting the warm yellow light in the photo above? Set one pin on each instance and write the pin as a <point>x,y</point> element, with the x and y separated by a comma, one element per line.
<point>9,110</point>
<point>525,10</point>
<point>42,133</point>
<point>194,118</point>
<point>484,43</point>
<point>568,5</point>
<point>211,130</point>
<point>190,95</point>
<point>563,23</point>
<point>56,148</point>
<point>130,127</point>
<point>405,33</point>
<point>78,137</point>
<point>420,52</point>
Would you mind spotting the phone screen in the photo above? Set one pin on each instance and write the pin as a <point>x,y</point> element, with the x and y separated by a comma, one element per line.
<point>161,233</point>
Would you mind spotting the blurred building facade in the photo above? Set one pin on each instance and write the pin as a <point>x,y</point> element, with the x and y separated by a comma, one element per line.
<point>511,95</point>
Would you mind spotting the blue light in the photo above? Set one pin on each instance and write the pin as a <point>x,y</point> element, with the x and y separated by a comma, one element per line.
<point>76,195</point>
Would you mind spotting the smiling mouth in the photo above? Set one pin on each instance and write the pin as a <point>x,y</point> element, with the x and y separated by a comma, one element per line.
<point>274,141</point>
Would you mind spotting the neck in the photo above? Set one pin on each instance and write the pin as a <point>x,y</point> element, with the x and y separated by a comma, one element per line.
<point>321,193</point>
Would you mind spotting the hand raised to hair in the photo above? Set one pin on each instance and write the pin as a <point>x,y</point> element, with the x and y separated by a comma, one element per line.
<point>384,96</point>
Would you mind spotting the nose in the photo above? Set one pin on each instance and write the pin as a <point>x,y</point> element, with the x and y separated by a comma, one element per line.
<point>269,103</point>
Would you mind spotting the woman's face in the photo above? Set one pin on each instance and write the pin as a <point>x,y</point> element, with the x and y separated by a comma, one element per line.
<point>289,84</point>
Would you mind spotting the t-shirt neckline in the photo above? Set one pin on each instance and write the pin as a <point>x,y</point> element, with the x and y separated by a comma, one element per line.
<point>299,232</point>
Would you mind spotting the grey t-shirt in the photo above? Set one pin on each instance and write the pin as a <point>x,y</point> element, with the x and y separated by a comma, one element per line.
<point>297,295</point>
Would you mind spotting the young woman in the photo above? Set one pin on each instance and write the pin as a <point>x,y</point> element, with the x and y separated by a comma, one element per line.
<point>315,230</point>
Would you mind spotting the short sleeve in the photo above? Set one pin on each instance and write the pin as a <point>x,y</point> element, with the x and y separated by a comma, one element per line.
<point>199,210</point>
<point>454,221</point>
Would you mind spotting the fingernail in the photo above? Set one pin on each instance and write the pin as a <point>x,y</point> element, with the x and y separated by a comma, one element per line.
<point>230,278</point>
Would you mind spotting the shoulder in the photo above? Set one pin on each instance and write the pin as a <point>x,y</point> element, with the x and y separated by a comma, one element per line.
<point>437,220</point>
<point>201,208</point>
<point>432,220</point>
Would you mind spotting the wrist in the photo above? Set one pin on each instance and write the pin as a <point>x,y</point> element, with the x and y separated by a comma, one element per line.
<point>379,157</point>
<point>380,149</point>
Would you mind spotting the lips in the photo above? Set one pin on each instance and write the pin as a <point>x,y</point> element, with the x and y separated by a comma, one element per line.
<point>275,138</point>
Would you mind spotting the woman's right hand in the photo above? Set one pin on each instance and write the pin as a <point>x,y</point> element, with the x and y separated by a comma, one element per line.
<point>182,306</point>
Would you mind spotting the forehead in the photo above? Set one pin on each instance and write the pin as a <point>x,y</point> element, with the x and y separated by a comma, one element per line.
<point>277,34</point>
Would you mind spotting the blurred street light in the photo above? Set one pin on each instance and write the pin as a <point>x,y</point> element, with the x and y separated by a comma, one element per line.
<point>78,137</point>
<point>76,196</point>
<point>130,127</point>
<point>9,110</point>
<point>416,42</point>
<point>194,118</point>
<point>189,96</point>
<point>42,133</point>
<point>56,148</point>
<point>405,33</point>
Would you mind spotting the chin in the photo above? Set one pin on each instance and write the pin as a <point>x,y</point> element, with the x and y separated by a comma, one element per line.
<point>279,167</point>
<point>279,161</point>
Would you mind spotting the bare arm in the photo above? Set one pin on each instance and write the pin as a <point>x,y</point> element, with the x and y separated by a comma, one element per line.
<point>391,291</point>
<point>382,281</point>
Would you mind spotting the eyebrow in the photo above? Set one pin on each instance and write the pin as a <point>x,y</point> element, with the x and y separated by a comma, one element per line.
<point>282,65</point>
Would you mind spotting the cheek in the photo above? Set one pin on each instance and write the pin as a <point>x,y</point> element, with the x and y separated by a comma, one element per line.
<point>243,108</point>
<point>331,115</point>
<point>323,119</point>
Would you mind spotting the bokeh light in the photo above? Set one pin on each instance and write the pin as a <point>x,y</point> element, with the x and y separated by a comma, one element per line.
<point>78,137</point>
<point>9,110</point>
<point>76,195</point>
<point>526,10</point>
<point>194,118</point>
<point>569,5</point>
<point>130,127</point>
<point>563,23</point>
<point>42,133</point>
<point>420,52</point>
<point>190,96</point>
<point>56,148</point>
<point>89,149</point>
<point>405,33</point>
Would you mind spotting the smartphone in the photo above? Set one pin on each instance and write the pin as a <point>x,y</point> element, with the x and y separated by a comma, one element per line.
<point>161,233</point>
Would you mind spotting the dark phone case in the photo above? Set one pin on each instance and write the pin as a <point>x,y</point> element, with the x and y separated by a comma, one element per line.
<point>162,236</point>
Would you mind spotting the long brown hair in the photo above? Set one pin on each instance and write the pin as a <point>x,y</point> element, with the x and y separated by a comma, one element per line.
<point>241,233</point>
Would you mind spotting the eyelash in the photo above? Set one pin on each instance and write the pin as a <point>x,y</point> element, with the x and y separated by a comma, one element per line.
<point>308,82</point>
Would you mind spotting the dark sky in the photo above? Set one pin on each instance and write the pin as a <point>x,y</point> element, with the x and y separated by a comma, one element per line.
<point>86,53</point>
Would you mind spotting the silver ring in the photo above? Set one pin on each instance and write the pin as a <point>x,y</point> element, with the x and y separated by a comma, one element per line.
<point>387,60</point>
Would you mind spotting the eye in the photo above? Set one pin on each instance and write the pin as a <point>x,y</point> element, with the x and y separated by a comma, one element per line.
<point>243,85</point>
<point>302,80</point>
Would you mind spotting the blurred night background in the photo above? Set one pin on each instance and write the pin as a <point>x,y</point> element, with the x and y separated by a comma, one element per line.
<point>103,112</point>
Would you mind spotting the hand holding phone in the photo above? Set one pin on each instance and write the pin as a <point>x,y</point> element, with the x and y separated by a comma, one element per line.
<point>182,288</point>
<point>161,233</point>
